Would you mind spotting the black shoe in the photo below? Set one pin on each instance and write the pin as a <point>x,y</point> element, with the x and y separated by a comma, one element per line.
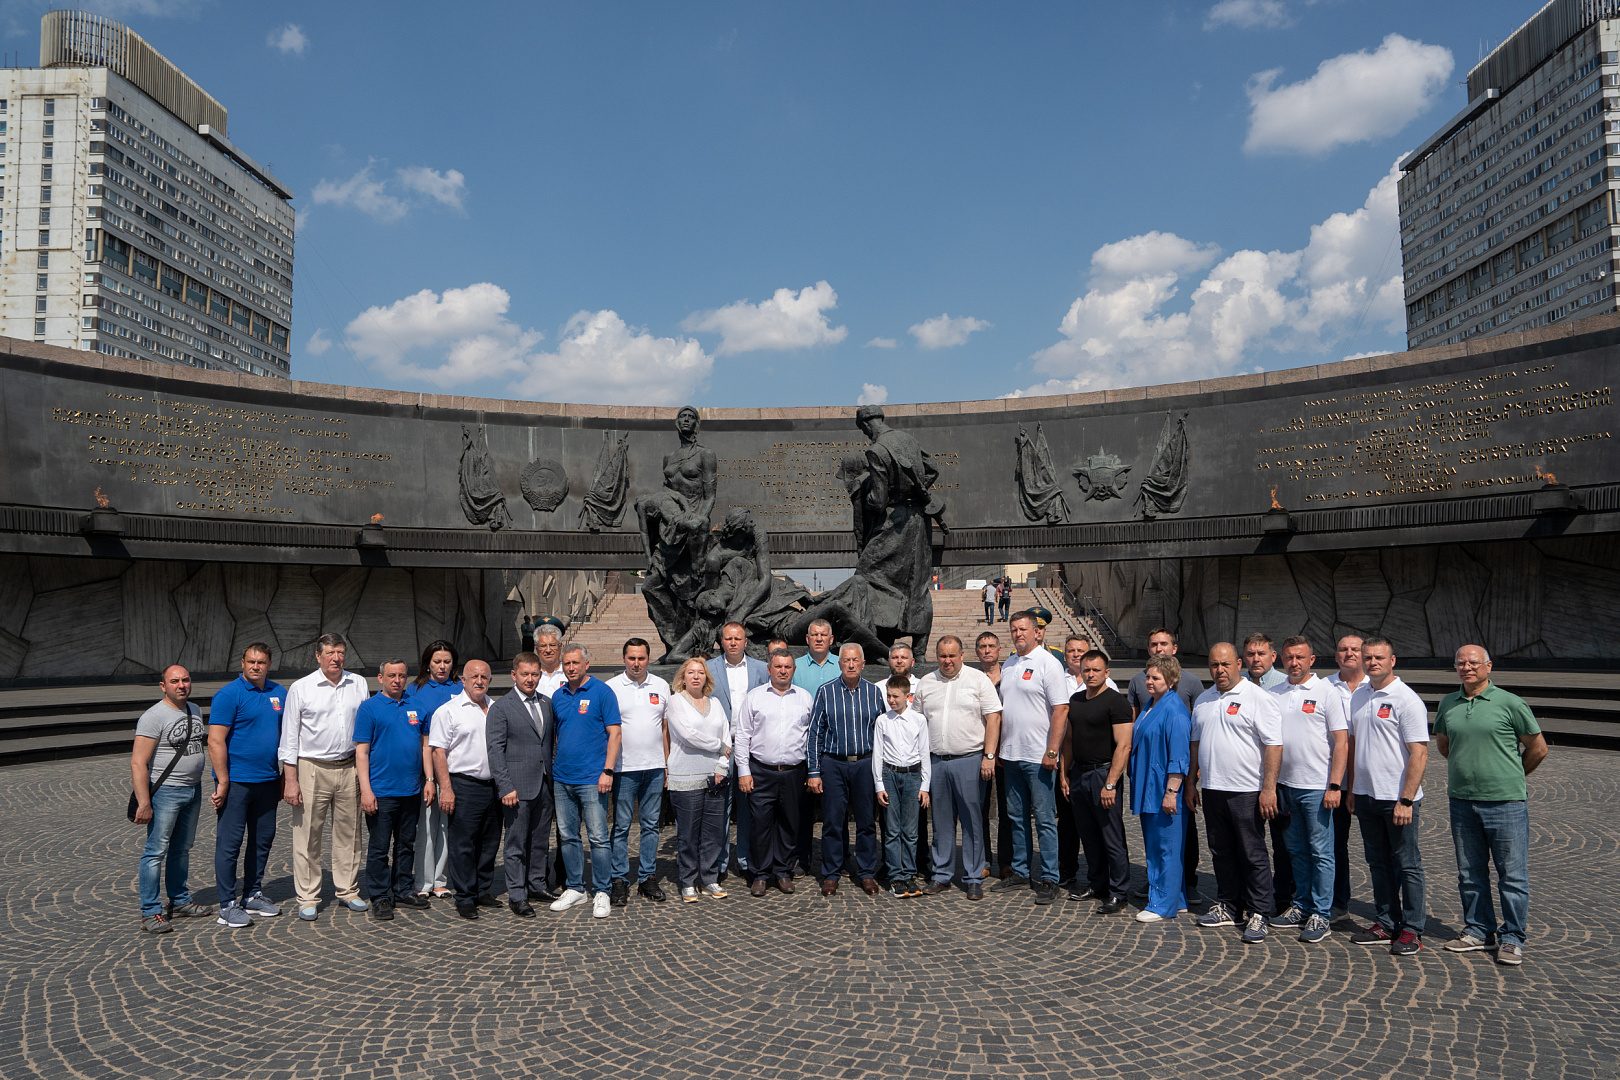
<point>521,908</point>
<point>544,896</point>
<point>975,890</point>
<point>488,901</point>
<point>934,888</point>
<point>652,890</point>
<point>1045,892</point>
<point>619,892</point>
<point>1078,891</point>
<point>467,911</point>
<point>1114,906</point>
<point>413,900</point>
<point>1013,881</point>
<point>382,911</point>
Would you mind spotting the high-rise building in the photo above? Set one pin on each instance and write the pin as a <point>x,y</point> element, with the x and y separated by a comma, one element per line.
<point>129,224</point>
<point>1508,213</point>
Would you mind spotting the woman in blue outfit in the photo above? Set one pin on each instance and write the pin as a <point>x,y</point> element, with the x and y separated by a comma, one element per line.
<point>1160,751</point>
<point>436,683</point>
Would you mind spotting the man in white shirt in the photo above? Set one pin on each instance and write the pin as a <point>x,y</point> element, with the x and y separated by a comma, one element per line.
<point>769,737</point>
<point>459,737</point>
<point>1034,715</point>
<point>548,635</point>
<point>1389,747</point>
<point>963,711</point>
<point>318,777</point>
<point>639,786</point>
<point>1347,654</point>
<point>1236,754</point>
<point>735,673</point>
<point>1310,785</point>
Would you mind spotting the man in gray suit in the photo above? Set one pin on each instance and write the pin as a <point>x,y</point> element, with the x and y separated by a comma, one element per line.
<point>521,732</point>
<point>735,673</point>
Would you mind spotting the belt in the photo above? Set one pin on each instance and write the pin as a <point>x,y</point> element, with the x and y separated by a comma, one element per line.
<point>472,778</point>
<point>956,757</point>
<point>849,757</point>
<point>903,768</point>
<point>1087,766</point>
<point>768,767</point>
<point>329,761</point>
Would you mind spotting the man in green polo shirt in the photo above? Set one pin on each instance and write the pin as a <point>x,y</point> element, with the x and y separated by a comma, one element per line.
<point>1491,742</point>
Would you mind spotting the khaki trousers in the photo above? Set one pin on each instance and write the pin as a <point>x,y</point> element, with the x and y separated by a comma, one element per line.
<point>328,788</point>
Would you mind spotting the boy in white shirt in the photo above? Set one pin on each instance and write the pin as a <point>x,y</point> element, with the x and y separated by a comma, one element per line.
<point>900,769</point>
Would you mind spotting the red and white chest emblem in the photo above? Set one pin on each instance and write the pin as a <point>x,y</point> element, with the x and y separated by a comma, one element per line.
<point>1308,708</point>
<point>652,699</point>
<point>275,703</point>
<point>1385,712</point>
<point>1233,709</point>
<point>1029,673</point>
<point>584,706</point>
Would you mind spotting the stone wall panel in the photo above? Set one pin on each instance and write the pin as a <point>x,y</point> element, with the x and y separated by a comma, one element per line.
<point>154,632</point>
<point>210,630</point>
<point>295,617</point>
<point>1360,591</point>
<point>1580,617</point>
<point>1510,611</point>
<point>66,626</point>
<point>16,594</point>
<point>384,624</point>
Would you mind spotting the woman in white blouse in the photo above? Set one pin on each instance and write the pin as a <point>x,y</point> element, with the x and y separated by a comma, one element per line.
<point>698,770</point>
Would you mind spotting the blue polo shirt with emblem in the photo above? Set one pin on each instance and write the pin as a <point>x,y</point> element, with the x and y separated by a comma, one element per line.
<point>429,696</point>
<point>393,730</point>
<point>253,715</point>
<point>583,717</point>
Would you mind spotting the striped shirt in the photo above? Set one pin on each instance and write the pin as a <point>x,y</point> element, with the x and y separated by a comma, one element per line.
<point>841,720</point>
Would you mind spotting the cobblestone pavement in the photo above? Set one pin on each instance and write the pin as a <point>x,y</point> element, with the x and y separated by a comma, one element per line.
<point>788,985</point>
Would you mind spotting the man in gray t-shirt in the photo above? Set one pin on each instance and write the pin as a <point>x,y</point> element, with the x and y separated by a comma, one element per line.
<point>170,743</point>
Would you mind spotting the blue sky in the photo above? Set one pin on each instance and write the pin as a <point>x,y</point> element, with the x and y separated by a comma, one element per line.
<point>743,204</point>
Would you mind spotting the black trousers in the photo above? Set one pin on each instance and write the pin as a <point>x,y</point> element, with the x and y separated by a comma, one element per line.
<point>1341,856</point>
<point>774,806</point>
<point>1237,847</point>
<point>848,789</point>
<point>392,832</point>
<point>527,849</point>
<point>1189,853</point>
<point>473,836</point>
<point>1101,832</point>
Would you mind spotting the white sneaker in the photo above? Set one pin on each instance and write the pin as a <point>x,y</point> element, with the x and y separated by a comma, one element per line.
<point>714,890</point>
<point>1149,916</point>
<point>689,895</point>
<point>602,906</point>
<point>569,898</point>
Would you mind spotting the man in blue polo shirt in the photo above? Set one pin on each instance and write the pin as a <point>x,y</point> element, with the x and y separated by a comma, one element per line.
<point>244,733</point>
<point>587,750</point>
<point>388,732</point>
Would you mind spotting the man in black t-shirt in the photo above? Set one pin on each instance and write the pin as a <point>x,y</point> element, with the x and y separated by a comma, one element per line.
<point>1094,757</point>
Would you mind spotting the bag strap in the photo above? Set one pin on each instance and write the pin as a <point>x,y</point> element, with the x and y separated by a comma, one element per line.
<point>169,768</point>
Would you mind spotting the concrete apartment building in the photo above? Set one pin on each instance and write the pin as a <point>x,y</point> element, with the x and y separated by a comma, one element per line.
<point>1508,213</point>
<point>129,224</point>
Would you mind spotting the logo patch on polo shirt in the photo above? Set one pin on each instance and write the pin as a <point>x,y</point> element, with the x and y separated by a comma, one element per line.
<point>1029,673</point>
<point>584,706</point>
<point>652,699</point>
<point>1308,708</point>
<point>275,703</point>
<point>1385,712</point>
<point>1233,709</point>
<point>410,714</point>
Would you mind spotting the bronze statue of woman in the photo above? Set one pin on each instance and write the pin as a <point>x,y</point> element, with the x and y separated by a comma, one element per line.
<point>675,533</point>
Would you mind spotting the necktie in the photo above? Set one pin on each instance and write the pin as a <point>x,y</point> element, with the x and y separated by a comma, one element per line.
<point>534,715</point>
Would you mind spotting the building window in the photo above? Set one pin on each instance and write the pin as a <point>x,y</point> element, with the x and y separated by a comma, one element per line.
<point>44,217</point>
<point>39,327</point>
<point>45,194</point>
<point>50,129</point>
<point>42,260</point>
<point>42,282</point>
<point>47,172</point>
<point>50,106</point>
<point>39,305</point>
<point>44,238</point>
<point>47,151</point>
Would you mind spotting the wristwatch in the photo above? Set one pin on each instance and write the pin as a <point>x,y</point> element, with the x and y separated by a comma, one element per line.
<point>1335,787</point>
<point>609,772</point>
<point>1406,802</point>
<point>1108,787</point>
<point>1051,753</point>
<point>989,756</point>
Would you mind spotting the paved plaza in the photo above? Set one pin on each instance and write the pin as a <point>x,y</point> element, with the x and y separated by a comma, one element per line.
<point>788,985</point>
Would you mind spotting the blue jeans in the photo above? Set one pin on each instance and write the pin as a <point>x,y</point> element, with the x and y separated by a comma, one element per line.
<point>642,792</point>
<point>1032,789</point>
<point>249,810</point>
<point>576,802</point>
<point>1394,864</point>
<point>168,845</point>
<point>1499,832</point>
<point>900,821</point>
<point>1310,847</point>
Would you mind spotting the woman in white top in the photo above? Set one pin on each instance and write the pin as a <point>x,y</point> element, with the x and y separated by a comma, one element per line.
<point>698,770</point>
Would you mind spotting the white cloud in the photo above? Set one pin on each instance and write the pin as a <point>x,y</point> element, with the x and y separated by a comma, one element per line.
<point>1248,14</point>
<point>463,340</point>
<point>1164,325</point>
<point>1354,97</point>
<point>363,193</point>
<point>288,39</point>
<point>788,320</point>
<point>446,188</point>
<point>946,331</point>
<point>318,343</point>
<point>883,343</point>
<point>1148,254</point>
<point>873,395</point>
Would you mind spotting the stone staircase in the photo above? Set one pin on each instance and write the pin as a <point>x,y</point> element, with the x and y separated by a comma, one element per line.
<point>619,617</point>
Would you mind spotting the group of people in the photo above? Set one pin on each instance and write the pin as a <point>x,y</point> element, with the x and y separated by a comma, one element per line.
<point>997,597</point>
<point>440,772</point>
